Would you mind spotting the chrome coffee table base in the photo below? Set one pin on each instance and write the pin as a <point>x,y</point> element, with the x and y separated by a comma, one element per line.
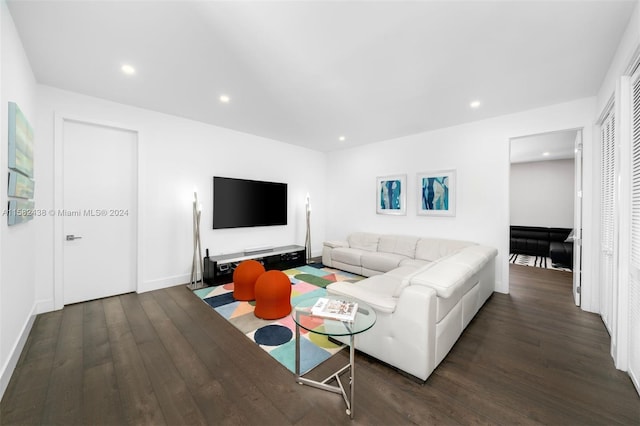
<point>303,317</point>
<point>324,385</point>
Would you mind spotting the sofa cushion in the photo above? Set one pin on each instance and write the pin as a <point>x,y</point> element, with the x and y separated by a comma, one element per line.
<point>404,275</point>
<point>559,234</point>
<point>382,285</point>
<point>445,278</point>
<point>432,249</point>
<point>348,267</point>
<point>347,255</point>
<point>531,240</point>
<point>416,263</point>
<point>402,272</point>
<point>398,244</point>
<point>485,252</point>
<point>363,241</point>
<point>375,292</point>
<point>474,257</point>
<point>381,261</point>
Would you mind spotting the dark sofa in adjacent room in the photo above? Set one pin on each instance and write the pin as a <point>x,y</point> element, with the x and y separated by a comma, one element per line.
<point>542,241</point>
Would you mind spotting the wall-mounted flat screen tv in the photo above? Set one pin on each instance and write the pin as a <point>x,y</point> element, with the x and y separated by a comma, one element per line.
<point>240,203</point>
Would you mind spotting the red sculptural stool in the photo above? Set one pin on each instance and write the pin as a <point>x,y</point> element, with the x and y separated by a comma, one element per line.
<point>273,295</point>
<point>244,279</point>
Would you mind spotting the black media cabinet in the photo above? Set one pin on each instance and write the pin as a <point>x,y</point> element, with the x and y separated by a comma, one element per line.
<point>219,269</point>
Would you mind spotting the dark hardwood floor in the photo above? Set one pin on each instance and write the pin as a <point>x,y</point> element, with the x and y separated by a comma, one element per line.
<point>164,357</point>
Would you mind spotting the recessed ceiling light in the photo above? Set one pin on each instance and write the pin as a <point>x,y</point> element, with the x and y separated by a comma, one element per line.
<point>224,99</point>
<point>546,153</point>
<point>342,138</point>
<point>128,69</point>
<point>475,104</point>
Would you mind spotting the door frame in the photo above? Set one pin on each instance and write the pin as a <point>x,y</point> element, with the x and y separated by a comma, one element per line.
<point>58,200</point>
<point>578,206</point>
<point>576,199</point>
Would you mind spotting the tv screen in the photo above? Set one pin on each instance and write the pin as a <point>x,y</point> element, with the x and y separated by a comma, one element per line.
<point>239,203</point>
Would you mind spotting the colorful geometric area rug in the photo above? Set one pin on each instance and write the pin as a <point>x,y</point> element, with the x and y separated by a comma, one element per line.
<point>277,337</point>
<point>535,261</point>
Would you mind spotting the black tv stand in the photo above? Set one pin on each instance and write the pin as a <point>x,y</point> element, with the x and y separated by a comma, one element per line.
<point>219,269</point>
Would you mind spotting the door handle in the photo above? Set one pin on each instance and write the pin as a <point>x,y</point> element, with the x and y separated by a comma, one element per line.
<point>72,237</point>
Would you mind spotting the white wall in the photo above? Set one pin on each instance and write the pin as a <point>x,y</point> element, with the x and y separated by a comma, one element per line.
<point>177,155</point>
<point>541,193</point>
<point>479,152</point>
<point>621,60</point>
<point>17,243</point>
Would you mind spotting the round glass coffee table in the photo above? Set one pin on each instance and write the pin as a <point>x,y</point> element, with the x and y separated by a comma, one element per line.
<point>365,319</point>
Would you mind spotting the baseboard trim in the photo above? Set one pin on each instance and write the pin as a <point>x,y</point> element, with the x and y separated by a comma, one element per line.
<point>498,288</point>
<point>634,379</point>
<point>164,283</point>
<point>44,306</point>
<point>16,351</point>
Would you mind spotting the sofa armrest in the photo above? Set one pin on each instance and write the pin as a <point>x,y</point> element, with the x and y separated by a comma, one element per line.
<point>418,302</point>
<point>561,254</point>
<point>376,301</point>
<point>444,278</point>
<point>327,250</point>
<point>336,244</point>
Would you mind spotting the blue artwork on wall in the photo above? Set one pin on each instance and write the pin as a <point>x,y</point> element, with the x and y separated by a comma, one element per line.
<point>391,195</point>
<point>436,193</point>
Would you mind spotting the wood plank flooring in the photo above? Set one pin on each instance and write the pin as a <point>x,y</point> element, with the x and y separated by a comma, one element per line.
<point>164,357</point>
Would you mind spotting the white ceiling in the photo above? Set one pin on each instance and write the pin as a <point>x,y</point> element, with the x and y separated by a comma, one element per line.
<point>544,147</point>
<point>307,72</point>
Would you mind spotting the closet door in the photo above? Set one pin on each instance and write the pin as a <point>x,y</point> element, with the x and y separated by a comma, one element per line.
<point>634,263</point>
<point>608,189</point>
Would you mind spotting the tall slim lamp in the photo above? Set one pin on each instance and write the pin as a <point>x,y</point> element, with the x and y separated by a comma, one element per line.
<point>197,250</point>
<point>307,241</point>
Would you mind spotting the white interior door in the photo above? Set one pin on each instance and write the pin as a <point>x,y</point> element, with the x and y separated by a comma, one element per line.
<point>633,319</point>
<point>608,243</point>
<point>577,221</point>
<point>99,214</point>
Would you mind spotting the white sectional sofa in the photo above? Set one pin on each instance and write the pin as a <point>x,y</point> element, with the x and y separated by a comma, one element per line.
<point>425,291</point>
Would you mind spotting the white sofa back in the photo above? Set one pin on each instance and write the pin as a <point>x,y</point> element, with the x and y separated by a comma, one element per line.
<point>432,249</point>
<point>398,244</point>
<point>369,254</point>
<point>363,241</point>
<point>422,307</point>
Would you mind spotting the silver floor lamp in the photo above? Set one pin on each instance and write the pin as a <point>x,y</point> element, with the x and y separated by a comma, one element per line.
<point>197,250</point>
<point>307,241</point>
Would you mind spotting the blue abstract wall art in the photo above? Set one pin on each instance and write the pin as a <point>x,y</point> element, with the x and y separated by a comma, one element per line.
<point>391,194</point>
<point>436,193</point>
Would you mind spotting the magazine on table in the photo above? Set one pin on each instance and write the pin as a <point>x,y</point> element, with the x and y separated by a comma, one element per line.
<point>342,310</point>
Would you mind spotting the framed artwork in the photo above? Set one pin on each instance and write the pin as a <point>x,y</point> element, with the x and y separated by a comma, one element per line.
<point>437,193</point>
<point>391,196</point>
<point>20,186</point>
<point>20,211</point>
<point>20,141</point>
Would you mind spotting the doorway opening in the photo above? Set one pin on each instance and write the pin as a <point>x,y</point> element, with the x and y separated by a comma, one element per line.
<point>546,203</point>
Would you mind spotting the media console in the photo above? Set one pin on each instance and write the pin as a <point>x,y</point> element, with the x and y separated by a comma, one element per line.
<point>219,269</point>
